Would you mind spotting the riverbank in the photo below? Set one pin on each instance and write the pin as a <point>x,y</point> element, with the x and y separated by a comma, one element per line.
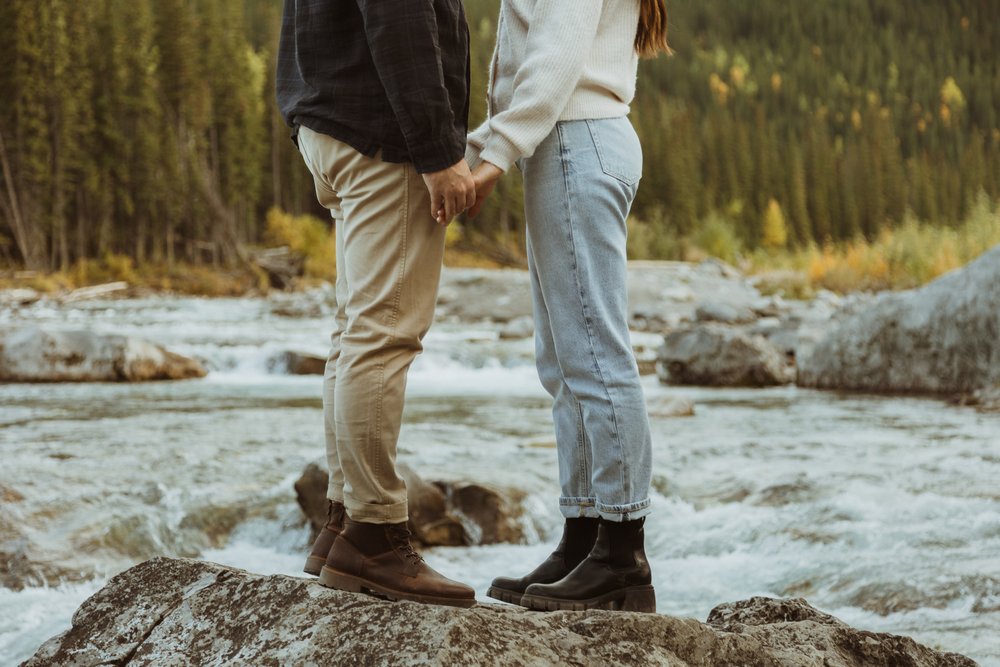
<point>910,255</point>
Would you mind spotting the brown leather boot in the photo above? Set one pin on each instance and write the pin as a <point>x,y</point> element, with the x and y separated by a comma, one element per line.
<point>577,540</point>
<point>379,559</point>
<point>614,576</point>
<point>321,547</point>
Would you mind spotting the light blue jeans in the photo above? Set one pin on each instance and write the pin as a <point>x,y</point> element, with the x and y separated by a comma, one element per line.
<point>578,189</point>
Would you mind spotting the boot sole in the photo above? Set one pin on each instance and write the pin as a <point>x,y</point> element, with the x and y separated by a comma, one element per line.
<point>637,598</point>
<point>504,595</point>
<point>345,582</point>
<point>314,565</point>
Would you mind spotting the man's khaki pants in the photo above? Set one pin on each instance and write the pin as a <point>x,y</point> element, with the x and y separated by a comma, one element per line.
<point>389,254</point>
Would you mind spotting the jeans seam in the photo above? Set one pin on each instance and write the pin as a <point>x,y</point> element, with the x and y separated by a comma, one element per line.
<point>586,316</point>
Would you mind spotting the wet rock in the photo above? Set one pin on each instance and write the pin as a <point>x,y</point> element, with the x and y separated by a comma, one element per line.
<point>310,493</point>
<point>441,513</point>
<point>313,303</point>
<point>298,363</point>
<point>21,562</point>
<point>984,400</point>
<point>522,327</point>
<point>661,295</point>
<point>488,516</point>
<point>666,407</point>
<point>797,490</point>
<point>770,306</point>
<point>33,354</point>
<point>477,295</point>
<point>431,522</point>
<point>715,355</point>
<point>726,313</point>
<point>941,338</point>
<point>716,267</point>
<point>19,297</point>
<point>168,611</point>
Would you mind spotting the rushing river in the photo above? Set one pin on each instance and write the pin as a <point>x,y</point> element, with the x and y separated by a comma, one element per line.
<point>882,511</point>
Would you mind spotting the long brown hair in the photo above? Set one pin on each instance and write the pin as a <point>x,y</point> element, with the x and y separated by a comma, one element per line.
<point>651,37</point>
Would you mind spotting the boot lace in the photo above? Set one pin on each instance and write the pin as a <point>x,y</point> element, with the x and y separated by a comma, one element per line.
<point>400,538</point>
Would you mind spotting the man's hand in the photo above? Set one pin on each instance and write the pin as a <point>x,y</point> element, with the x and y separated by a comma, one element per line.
<point>452,191</point>
<point>485,177</point>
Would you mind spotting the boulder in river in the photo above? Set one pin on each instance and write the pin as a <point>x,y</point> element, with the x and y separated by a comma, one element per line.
<point>33,354</point>
<point>19,297</point>
<point>299,363</point>
<point>726,313</point>
<point>670,406</point>
<point>716,355</point>
<point>441,513</point>
<point>520,327</point>
<point>941,338</point>
<point>185,612</point>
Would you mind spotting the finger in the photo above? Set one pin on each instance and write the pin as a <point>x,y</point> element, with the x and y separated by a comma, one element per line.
<point>471,197</point>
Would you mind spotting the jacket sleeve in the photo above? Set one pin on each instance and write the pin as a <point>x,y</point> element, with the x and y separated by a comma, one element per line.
<point>403,38</point>
<point>559,38</point>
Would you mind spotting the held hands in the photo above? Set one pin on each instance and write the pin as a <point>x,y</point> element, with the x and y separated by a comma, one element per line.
<point>452,191</point>
<point>485,177</point>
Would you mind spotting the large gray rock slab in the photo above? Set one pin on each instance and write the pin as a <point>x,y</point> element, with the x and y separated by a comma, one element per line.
<point>185,612</point>
<point>721,356</point>
<point>33,354</point>
<point>941,338</point>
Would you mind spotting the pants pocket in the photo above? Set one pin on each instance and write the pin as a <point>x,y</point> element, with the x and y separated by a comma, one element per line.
<point>618,148</point>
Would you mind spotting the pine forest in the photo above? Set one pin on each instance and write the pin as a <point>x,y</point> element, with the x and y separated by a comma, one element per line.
<point>147,128</point>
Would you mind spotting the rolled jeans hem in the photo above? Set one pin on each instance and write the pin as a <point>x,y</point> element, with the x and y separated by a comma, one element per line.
<point>630,512</point>
<point>369,513</point>
<point>576,508</point>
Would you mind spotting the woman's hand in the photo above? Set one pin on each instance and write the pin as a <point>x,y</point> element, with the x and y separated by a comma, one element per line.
<point>485,177</point>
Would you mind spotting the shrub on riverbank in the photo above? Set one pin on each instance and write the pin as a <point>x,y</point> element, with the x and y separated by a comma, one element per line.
<point>910,254</point>
<point>181,278</point>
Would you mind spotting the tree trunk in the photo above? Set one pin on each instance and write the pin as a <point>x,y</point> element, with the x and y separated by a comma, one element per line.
<point>26,238</point>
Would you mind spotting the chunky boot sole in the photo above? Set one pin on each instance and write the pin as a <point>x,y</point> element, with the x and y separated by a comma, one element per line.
<point>314,565</point>
<point>345,582</point>
<point>636,598</point>
<point>504,595</point>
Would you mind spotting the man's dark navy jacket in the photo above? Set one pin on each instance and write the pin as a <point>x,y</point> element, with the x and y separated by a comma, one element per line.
<point>379,75</point>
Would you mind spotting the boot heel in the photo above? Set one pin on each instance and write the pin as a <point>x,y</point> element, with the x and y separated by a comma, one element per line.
<point>314,565</point>
<point>640,599</point>
<point>342,582</point>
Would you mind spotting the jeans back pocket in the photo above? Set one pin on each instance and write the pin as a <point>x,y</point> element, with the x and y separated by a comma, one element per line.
<point>618,148</point>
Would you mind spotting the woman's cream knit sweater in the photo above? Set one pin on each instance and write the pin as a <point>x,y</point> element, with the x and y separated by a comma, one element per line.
<point>555,60</point>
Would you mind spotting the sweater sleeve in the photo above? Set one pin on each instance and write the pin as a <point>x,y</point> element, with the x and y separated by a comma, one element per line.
<point>474,145</point>
<point>559,38</point>
<point>403,38</point>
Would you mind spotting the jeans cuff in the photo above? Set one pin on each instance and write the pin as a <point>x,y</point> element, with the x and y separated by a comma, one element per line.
<point>630,512</point>
<point>369,513</point>
<point>576,508</point>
